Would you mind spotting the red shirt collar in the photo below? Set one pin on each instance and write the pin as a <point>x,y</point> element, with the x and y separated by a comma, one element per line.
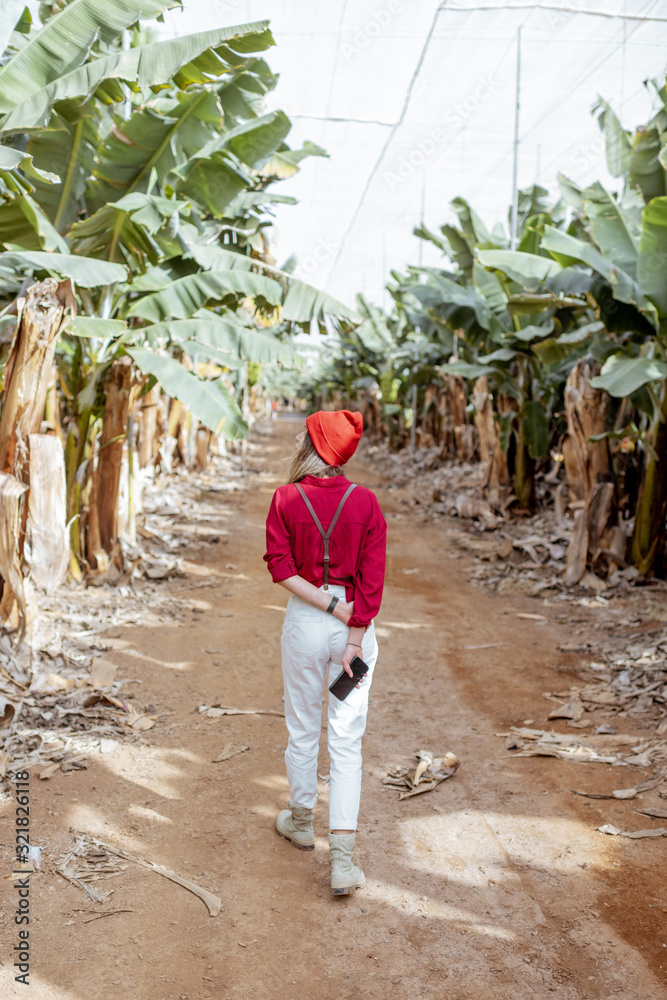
<point>324,480</point>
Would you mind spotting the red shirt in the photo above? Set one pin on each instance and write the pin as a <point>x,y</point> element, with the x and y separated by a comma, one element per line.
<point>357,548</point>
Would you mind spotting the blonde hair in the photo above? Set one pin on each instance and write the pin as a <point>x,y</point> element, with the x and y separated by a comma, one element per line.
<point>307,462</point>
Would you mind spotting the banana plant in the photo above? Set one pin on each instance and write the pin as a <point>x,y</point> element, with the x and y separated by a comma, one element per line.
<point>498,315</point>
<point>613,252</point>
<point>150,165</point>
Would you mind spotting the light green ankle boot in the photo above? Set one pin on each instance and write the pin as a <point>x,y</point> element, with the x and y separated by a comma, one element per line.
<point>296,825</point>
<point>345,877</point>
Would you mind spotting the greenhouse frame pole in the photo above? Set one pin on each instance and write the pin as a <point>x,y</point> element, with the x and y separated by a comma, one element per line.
<point>515,164</point>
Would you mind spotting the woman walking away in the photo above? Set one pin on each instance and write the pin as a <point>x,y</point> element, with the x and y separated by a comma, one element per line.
<point>325,543</point>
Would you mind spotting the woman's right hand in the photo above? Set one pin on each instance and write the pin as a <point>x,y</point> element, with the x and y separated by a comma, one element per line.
<point>344,611</point>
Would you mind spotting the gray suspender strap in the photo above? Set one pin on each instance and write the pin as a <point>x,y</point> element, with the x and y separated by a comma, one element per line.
<point>326,535</point>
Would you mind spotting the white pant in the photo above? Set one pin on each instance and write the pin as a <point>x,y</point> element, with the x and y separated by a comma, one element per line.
<point>313,643</point>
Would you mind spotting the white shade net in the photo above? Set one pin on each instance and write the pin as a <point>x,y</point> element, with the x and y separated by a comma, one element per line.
<point>414,101</point>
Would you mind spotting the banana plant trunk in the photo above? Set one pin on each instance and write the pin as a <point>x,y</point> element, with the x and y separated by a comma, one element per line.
<point>114,431</point>
<point>524,471</point>
<point>29,370</point>
<point>494,459</point>
<point>28,374</point>
<point>649,534</point>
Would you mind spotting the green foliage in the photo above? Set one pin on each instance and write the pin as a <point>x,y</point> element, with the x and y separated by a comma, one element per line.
<point>589,277</point>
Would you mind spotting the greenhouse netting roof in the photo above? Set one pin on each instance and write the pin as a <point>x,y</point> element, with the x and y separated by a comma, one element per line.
<point>415,101</point>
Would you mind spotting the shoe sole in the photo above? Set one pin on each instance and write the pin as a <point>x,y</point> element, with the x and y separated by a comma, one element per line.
<point>347,890</point>
<point>301,847</point>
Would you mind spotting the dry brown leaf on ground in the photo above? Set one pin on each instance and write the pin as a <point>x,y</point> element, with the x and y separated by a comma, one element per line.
<point>572,709</point>
<point>566,746</point>
<point>633,834</point>
<point>89,860</point>
<point>625,793</point>
<point>213,902</point>
<point>230,750</point>
<point>428,774</point>
<point>129,717</point>
<point>103,673</point>
<point>217,711</point>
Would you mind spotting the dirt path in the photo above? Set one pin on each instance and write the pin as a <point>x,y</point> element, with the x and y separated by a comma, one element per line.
<point>494,887</point>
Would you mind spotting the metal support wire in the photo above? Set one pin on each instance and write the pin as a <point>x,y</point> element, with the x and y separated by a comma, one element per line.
<point>515,164</point>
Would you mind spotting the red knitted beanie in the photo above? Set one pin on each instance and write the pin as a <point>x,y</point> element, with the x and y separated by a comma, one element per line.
<point>335,434</point>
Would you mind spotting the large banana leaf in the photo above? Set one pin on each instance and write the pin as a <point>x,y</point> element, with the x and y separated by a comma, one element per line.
<point>215,178</point>
<point>490,285</point>
<point>566,248</point>
<point>473,228</point>
<point>162,136</point>
<point>571,193</point>
<point>211,402</point>
<point>461,250</point>
<point>91,326</point>
<point>226,334</point>
<point>215,182</point>
<point>186,295</point>
<point>191,58</point>
<point>199,352</point>
<point>23,222</point>
<point>615,231</point>
<point>652,266</point>
<point>532,201</point>
<point>532,332</point>
<point>617,140</point>
<point>285,161</point>
<point>213,257</point>
<point>424,233</point>
<point>468,370</point>
<point>67,145</point>
<point>251,141</point>
<point>123,231</point>
<point>84,271</point>
<point>303,303</point>
<point>65,41</point>
<point>622,375</point>
<point>527,269</point>
<point>646,171</point>
<point>373,331</point>
<point>13,159</point>
<point>461,306</point>
<point>11,12</point>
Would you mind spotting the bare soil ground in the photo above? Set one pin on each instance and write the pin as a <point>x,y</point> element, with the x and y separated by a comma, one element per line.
<point>495,886</point>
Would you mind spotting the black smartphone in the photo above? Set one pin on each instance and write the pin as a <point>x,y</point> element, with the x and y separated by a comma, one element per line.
<point>343,684</point>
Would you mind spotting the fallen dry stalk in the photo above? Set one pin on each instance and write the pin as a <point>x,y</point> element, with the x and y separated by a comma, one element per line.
<point>214,903</point>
